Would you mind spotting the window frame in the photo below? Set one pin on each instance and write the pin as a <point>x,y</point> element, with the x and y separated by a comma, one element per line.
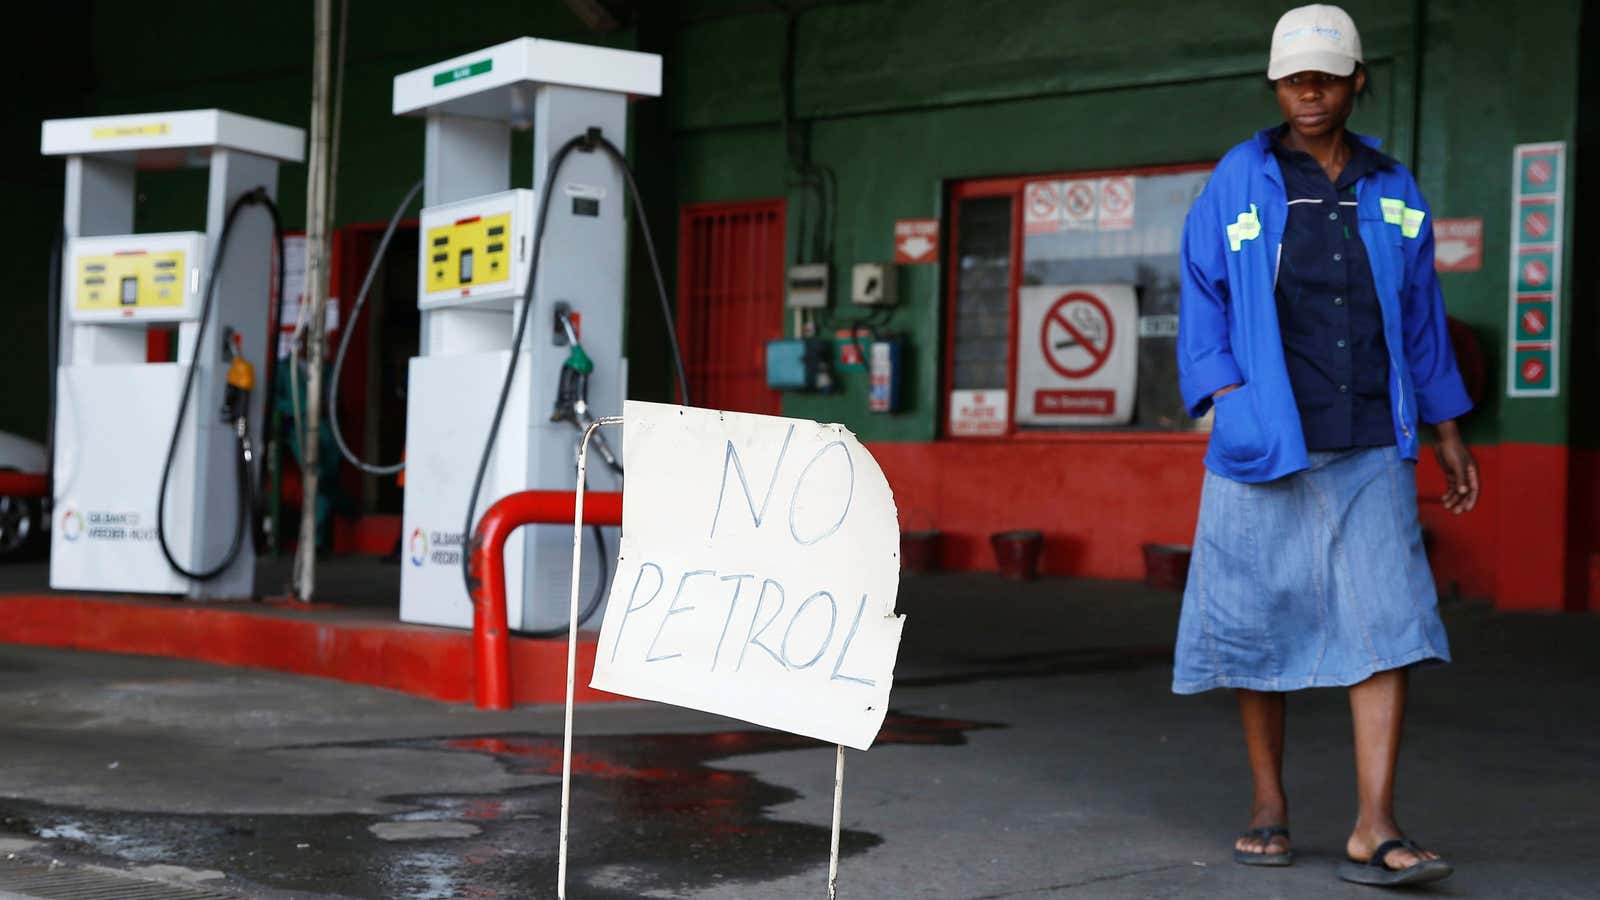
<point>1013,186</point>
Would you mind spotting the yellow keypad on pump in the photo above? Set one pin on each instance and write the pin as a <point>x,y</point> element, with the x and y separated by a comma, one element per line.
<point>131,281</point>
<point>470,252</point>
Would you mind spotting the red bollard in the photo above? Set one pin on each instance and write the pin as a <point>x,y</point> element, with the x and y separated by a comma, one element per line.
<point>486,572</point>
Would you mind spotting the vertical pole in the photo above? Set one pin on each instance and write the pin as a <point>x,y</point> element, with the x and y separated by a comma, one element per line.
<point>572,646</point>
<point>317,299</point>
<point>838,813</point>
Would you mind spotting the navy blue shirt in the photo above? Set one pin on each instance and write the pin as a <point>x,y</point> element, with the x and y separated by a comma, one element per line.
<point>1328,307</point>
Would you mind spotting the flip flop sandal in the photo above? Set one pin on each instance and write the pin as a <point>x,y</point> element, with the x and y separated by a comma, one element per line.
<point>1265,834</point>
<point>1376,872</point>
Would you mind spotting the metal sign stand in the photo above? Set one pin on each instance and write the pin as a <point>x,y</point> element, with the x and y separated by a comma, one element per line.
<point>572,644</point>
<point>572,670</point>
<point>838,810</point>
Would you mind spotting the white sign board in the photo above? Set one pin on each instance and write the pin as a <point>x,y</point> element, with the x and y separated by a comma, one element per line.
<point>978,413</point>
<point>757,575</point>
<point>1077,354</point>
<point>294,293</point>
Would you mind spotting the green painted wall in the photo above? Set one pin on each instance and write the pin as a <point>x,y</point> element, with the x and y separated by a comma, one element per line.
<point>32,188</point>
<point>905,96</point>
<point>255,59</point>
<point>1585,374</point>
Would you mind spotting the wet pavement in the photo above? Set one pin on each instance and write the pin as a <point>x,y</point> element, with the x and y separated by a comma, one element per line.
<point>1033,751</point>
<point>655,800</point>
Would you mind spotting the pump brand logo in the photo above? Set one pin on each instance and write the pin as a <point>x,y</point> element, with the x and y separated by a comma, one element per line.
<point>441,548</point>
<point>460,73</point>
<point>105,525</point>
<point>419,547</point>
<point>72,524</point>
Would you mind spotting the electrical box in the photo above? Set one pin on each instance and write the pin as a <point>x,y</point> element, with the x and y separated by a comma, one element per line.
<point>873,284</point>
<point>799,364</point>
<point>808,286</point>
<point>136,277</point>
<point>475,251</point>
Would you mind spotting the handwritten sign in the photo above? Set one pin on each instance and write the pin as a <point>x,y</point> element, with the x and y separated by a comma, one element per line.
<point>757,573</point>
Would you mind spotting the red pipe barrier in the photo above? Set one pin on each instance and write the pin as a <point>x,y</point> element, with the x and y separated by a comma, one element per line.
<point>486,575</point>
<point>29,484</point>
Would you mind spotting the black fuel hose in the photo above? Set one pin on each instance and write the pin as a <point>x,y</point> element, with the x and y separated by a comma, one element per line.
<point>587,142</point>
<point>245,476</point>
<point>58,252</point>
<point>350,329</point>
<point>655,265</point>
<point>269,384</point>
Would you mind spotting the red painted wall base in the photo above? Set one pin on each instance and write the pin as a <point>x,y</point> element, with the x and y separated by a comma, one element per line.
<point>1100,498</point>
<point>324,641</point>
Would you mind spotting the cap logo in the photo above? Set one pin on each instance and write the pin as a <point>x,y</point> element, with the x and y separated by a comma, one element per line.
<point>1322,31</point>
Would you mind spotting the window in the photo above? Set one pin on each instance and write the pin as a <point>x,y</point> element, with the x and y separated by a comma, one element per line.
<point>1063,302</point>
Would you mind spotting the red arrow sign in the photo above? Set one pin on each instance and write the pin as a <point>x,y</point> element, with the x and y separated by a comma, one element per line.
<point>916,241</point>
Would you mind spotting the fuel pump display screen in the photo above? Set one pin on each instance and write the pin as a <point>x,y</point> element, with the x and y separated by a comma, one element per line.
<point>468,253</point>
<point>126,283</point>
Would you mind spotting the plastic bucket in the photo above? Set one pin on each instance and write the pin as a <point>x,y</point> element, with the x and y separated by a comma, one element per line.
<point>1166,566</point>
<point>919,552</point>
<point>1016,553</point>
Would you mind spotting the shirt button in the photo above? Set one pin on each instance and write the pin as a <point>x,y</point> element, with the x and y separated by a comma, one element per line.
<point>1338,257</point>
<point>1338,301</point>
<point>1341,343</point>
<point>1344,388</point>
<point>1333,216</point>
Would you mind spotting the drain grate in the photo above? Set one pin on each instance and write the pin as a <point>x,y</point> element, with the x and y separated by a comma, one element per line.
<point>19,879</point>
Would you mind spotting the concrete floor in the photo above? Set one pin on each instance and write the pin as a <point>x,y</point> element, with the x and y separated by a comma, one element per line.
<point>1034,751</point>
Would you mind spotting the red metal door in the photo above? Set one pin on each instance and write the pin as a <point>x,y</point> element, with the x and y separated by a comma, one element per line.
<point>730,285</point>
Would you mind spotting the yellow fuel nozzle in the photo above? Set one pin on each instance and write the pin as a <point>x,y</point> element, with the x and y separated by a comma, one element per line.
<point>241,374</point>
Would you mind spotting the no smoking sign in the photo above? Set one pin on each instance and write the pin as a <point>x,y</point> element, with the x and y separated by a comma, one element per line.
<point>1116,203</point>
<point>1041,211</point>
<point>1077,354</point>
<point>1077,334</point>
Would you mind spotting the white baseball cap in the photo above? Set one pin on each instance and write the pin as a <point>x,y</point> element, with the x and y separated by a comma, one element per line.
<point>1315,38</point>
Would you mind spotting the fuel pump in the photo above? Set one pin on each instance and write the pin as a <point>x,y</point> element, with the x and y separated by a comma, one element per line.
<point>153,468</point>
<point>492,258</point>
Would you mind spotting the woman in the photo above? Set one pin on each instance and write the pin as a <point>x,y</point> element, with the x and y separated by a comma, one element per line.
<point>1312,321</point>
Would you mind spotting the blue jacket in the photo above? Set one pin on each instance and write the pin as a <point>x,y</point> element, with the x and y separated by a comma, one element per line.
<point>1228,318</point>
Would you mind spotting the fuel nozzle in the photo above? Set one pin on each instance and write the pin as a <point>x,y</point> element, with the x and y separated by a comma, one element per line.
<point>241,380</point>
<point>572,390</point>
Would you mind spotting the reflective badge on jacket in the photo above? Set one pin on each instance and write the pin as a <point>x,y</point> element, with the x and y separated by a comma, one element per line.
<point>1247,227</point>
<point>1395,212</point>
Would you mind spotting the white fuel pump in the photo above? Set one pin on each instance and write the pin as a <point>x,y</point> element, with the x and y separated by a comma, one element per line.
<point>494,259</point>
<point>153,470</point>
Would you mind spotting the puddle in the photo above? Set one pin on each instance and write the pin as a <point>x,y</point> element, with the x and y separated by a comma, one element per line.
<point>650,807</point>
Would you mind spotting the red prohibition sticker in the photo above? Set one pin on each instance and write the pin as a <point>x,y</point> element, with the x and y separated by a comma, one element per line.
<point>1076,335</point>
<point>1042,200</point>
<point>1080,199</point>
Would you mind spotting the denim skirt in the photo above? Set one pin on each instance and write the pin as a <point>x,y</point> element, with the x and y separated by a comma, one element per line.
<point>1317,579</point>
